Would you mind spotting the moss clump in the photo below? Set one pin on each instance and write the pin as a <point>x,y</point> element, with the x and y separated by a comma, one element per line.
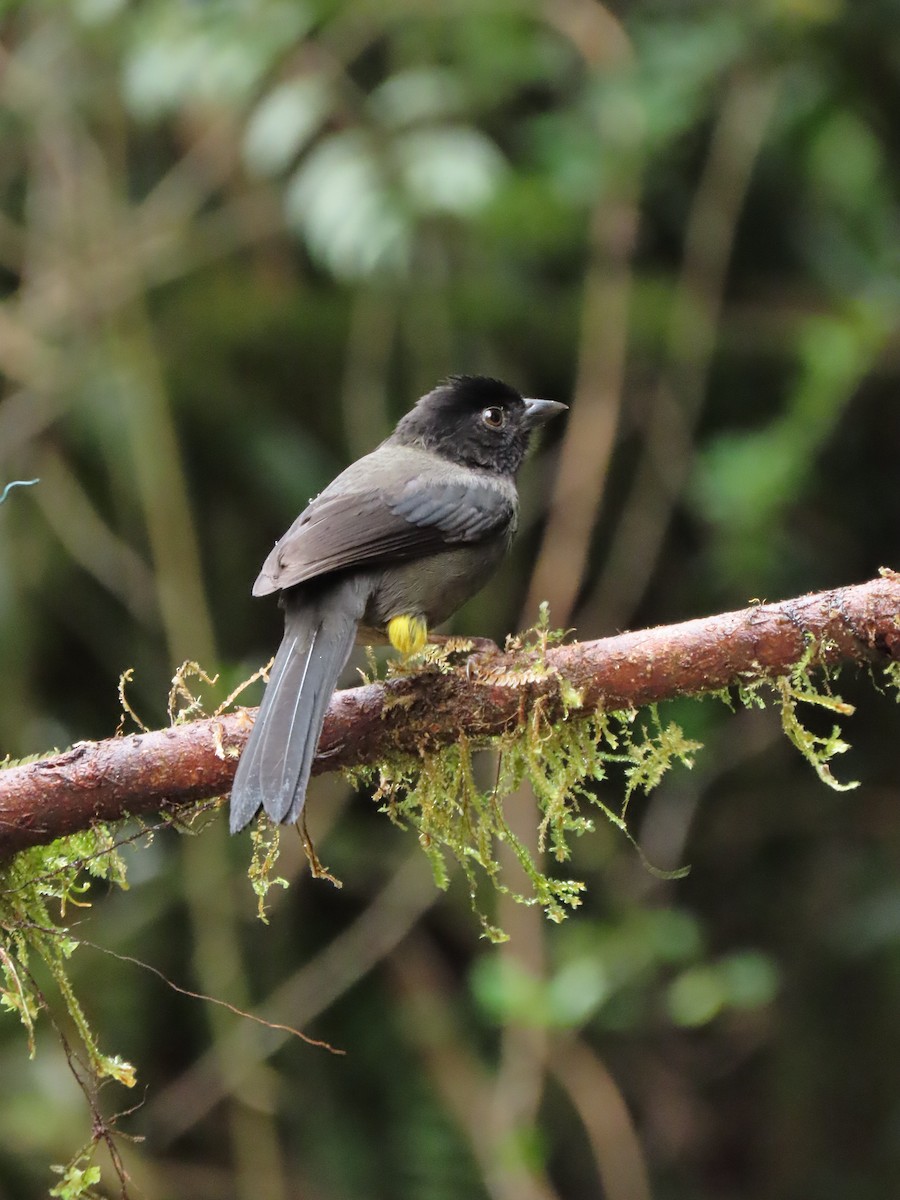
<point>564,761</point>
<point>798,688</point>
<point>36,888</point>
<point>561,762</point>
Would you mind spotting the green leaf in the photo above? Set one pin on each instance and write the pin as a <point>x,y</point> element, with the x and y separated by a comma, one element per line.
<point>454,170</point>
<point>423,94</point>
<point>283,122</point>
<point>339,202</point>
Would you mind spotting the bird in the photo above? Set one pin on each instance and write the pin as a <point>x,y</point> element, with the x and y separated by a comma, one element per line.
<point>388,550</point>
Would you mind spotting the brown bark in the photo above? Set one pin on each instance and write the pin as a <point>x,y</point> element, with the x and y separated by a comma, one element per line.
<point>170,768</point>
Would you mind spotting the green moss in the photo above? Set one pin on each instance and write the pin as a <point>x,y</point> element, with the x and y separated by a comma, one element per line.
<point>266,840</point>
<point>795,689</point>
<point>892,677</point>
<point>36,889</point>
<point>565,763</point>
<point>562,764</point>
<point>78,1177</point>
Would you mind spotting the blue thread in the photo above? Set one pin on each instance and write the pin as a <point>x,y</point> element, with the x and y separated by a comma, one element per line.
<point>17,483</point>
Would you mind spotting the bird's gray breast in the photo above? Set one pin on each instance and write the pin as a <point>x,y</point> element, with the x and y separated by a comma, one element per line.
<point>435,586</point>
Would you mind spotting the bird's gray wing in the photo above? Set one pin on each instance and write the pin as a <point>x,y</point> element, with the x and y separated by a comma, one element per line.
<point>370,526</point>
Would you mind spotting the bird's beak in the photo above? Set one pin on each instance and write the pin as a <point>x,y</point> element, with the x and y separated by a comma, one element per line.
<point>538,412</point>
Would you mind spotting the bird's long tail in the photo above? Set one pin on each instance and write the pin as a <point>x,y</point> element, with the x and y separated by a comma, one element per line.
<point>319,631</point>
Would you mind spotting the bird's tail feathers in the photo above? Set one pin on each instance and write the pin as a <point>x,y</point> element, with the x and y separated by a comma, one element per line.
<point>274,768</point>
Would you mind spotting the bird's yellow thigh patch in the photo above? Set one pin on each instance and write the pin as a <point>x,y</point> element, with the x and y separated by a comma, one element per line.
<point>407,633</point>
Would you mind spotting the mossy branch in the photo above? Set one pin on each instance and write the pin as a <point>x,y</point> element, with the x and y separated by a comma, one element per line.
<point>421,712</point>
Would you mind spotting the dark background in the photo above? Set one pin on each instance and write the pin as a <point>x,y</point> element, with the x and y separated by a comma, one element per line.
<point>236,241</point>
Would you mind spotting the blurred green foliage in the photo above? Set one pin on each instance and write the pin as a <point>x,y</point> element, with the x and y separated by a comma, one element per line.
<point>237,238</point>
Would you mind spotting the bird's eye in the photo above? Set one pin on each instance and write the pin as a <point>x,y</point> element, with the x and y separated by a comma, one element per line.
<point>494,417</point>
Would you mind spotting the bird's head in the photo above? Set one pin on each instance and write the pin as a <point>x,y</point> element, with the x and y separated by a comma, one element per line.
<point>476,421</point>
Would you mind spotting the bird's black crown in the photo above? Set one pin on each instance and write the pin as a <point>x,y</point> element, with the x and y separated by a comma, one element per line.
<point>450,420</point>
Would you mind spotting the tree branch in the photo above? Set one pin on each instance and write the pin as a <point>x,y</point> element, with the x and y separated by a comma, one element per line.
<point>171,768</point>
